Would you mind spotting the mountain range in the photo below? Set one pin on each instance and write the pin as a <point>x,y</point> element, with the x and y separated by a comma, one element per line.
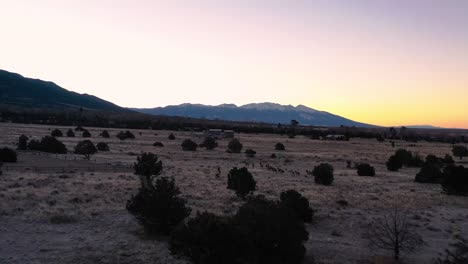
<point>260,112</point>
<point>21,91</point>
<point>16,90</point>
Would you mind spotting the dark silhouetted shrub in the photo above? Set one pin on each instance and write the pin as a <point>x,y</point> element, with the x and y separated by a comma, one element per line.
<point>86,134</point>
<point>8,155</point>
<point>121,135</point>
<point>279,146</point>
<point>448,159</point>
<point>129,135</point>
<point>250,153</point>
<point>189,145</point>
<point>102,146</point>
<point>158,144</point>
<point>209,143</point>
<point>298,203</point>
<point>147,167</point>
<point>241,181</point>
<point>273,233</point>
<point>273,156</point>
<point>48,144</point>
<point>85,148</point>
<point>404,155</point>
<point>23,142</point>
<point>394,163</point>
<point>455,180</point>
<point>209,239</point>
<point>56,133</point>
<point>234,146</point>
<point>171,137</point>
<point>460,151</point>
<point>70,133</point>
<point>415,161</point>
<point>262,232</point>
<point>158,208</point>
<point>105,134</point>
<point>79,129</point>
<point>365,169</point>
<point>323,174</point>
<point>430,173</point>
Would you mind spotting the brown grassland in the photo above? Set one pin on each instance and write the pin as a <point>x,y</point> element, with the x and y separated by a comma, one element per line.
<point>63,209</point>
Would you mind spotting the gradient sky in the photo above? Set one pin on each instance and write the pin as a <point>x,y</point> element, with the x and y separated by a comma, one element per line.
<point>394,62</point>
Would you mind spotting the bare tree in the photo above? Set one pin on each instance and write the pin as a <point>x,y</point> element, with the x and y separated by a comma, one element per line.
<point>394,232</point>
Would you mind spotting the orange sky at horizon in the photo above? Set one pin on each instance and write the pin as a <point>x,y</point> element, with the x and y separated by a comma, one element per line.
<point>386,63</point>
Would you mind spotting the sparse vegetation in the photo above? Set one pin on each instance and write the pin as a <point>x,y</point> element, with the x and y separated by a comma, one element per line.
<point>125,135</point>
<point>460,151</point>
<point>250,153</point>
<point>85,148</point>
<point>298,203</point>
<point>323,174</point>
<point>70,133</point>
<point>241,181</point>
<point>56,133</point>
<point>86,134</point>
<point>102,146</point>
<point>158,144</point>
<point>393,232</point>
<point>279,146</point>
<point>455,180</point>
<point>430,173</point>
<point>262,231</point>
<point>171,137</point>
<point>189,145</point>
<point>234,146</point>
<point>394,163</point>
<point>8,155</point>
<point>209,143</point>
<point>105,134</point>
<point>364,169</point>
<point>148,166</point>
<point>23,142</point>
<point>159,209</point>
<point>48,144</point>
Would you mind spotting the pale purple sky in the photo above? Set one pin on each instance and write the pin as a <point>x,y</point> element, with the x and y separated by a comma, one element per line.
<point>383,62</point>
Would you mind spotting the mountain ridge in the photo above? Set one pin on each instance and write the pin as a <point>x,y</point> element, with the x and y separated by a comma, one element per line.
<point>265,112</point>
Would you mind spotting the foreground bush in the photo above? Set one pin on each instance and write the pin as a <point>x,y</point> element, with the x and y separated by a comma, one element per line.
<point>189,145</point>
<point>274,234</point>
<point>241,181</point>
<point>209,239</point>
<point>455,180</point>
<point>101,146</point>
<point>209,143</point>
<point>261,232</point>
<point>430,173</point>
<point>234,146</point>
<point>323,174</point>
<point>85,148</point>
<point>48,144</point>
<point>158,207</point>
<point>8,155</point>
<point>23,142</point>
<point>171,137</point>
<point>279,146</point>
<point>365,169</point>
<point>298,203</point>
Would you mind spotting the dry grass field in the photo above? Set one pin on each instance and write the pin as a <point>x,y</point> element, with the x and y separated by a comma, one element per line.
<point>63,209</point>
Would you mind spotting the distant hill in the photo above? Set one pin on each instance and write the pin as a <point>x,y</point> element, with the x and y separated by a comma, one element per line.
<point>21,91</point>
<point>262,112</point>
